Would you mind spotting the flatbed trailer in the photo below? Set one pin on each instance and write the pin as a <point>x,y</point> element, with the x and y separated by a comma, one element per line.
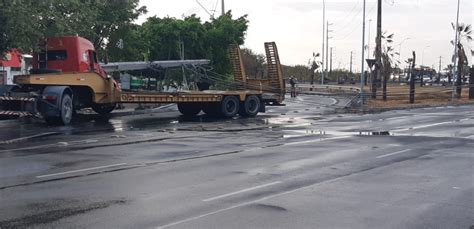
<point>56,95</point>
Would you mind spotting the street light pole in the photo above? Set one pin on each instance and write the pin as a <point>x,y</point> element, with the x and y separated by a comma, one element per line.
<point>322,51</point>
<point>368,41</point>
<point>362,75</point>
<point>327,46</point>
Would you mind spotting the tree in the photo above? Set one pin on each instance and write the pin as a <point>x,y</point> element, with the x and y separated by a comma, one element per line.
<point>221,33</point>
<point>464,33</point>
<point>164,38</point>
<point>388,55</point>
<point>94,19</point>
<point>127,44</point>
<point>254,63</point>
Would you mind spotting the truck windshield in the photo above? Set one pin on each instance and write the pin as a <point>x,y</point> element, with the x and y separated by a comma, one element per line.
<point>54,55</point>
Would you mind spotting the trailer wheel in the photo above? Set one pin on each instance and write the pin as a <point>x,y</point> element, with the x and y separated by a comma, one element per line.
<point>103,109</point>
<point>189,109</point>
<point>229,106</point>
<point>250,107</point>
<point>66,111</point>
<point>211,109</point>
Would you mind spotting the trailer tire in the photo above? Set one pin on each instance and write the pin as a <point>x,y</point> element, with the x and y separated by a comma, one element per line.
<point>229,106</point>
<point>250,107</point>
<point>103,109</point>
<point>211,109</point>
<point>189,109</point>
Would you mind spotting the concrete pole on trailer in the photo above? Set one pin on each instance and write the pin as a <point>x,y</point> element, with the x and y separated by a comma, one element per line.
<point>362,74</point>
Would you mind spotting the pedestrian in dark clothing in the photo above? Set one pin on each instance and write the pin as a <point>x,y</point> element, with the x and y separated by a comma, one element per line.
<point>293,82</point>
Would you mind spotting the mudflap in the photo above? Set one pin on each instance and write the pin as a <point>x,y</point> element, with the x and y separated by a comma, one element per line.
<point>263,107</point>
<point>50,100</point>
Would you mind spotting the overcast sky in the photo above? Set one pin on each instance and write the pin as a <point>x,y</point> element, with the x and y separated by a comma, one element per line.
<point>296,25</point>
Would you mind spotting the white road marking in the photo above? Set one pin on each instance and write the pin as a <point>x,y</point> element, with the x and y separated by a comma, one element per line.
<point>334,101</point>
<point>80,170</point>
<point>433,124</point>
<point>316,140</point>
<point>27,138</point>
<point>247,203</point>
<point>241,191</point>
<point>391,154</point>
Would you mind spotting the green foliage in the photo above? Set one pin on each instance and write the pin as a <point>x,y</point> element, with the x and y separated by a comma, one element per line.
<point>163,39</point>
<point>134,47</point>
<point>254,63</point>
<point>25,22</point>
<point>388,56</point>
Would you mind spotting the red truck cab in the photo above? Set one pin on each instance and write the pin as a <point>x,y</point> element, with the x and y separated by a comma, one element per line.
<point>67,54</point>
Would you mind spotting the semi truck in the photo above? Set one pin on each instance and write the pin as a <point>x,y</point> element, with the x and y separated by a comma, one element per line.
<point>67,77</point>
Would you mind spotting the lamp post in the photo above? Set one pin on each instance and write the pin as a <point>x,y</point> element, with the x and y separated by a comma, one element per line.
<point>369,39</point>
<point>362,73</point>
<point>323,33</point>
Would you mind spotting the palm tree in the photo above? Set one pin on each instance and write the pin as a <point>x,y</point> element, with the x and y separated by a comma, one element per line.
<point>465,35</point>
<point>388,62</point>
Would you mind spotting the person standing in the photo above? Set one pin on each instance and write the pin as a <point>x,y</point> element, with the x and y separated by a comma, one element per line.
<point>293,82</point>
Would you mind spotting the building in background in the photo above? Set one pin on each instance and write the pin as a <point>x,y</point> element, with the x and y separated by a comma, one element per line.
<point>13,63</point>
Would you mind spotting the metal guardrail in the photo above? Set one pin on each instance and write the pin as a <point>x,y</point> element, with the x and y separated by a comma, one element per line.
<point>328,88</point>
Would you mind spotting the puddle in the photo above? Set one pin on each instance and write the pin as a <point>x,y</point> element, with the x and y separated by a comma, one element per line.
<point>304,133</point>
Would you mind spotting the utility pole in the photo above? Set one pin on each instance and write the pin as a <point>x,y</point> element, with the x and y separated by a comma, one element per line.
<point>350,69</point>
<point>327,45</point>
<point>456,40</point>
<point>362,73</point>
<point>439,71</point>
<point>323,53</point>
<point>223,7</point>
<point>378,52</point>
<point>330,63</point>
<point>368,42</point>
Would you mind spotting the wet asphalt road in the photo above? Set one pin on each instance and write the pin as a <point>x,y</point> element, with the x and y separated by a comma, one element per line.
<point>299,166</point>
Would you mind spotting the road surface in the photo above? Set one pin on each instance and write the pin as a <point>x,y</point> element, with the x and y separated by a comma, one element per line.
<point>300,166</point>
